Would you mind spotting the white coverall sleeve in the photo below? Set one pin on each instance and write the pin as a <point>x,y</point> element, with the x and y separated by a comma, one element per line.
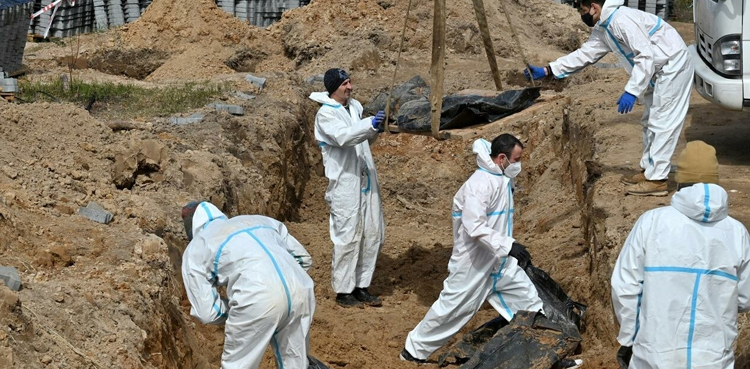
<point>335,132</point>
<point>643,55</point>
<point>589,53</point>
<point>207,305</point>
<point>293,246</point>
<point>743,274</point>
<point>627,283</point>
<point>474,220</point>
<point>373,138</point>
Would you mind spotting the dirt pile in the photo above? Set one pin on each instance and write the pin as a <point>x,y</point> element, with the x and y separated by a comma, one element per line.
<point>361,36</point>
<point>365,36</point>
<point>113,291</point>
<point>176,26</point>
<point>199,36</point>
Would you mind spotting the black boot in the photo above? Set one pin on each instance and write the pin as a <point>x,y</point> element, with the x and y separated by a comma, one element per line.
<point>347,300</point>
<point>361,294</point>
<point>406,356</point>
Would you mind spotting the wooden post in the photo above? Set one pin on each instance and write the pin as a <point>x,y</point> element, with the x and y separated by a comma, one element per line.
<point>489,49</point>
<point>438,65</point>
<point>518,42</point>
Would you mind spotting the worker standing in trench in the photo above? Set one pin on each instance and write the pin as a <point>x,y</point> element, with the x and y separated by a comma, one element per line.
<point>661,75</point>
<point>683,275</point>
<point>270,297</point>
<point>356,223</point>
<point>486,260</point>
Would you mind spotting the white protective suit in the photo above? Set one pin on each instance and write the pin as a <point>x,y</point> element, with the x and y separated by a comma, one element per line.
<point>356,224</point>
<point>680,280</point>
<point>480,268</point>
<point>661,74</point>
<point>269,295</point>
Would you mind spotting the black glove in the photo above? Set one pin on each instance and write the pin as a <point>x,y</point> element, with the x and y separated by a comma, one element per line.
<point>519,252</point>
<point>623,356</point>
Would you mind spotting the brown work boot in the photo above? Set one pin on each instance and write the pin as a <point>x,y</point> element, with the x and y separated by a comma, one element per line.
<point>648,188</point>
<point>634,179</point>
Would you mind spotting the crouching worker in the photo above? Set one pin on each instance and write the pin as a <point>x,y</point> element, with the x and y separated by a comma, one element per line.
<point>269,295</point>
<point>486,258</point>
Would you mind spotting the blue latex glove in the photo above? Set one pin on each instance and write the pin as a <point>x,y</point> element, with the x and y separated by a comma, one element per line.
<point>626,102</point>
<point>377,120</point>
<point>536,72</point>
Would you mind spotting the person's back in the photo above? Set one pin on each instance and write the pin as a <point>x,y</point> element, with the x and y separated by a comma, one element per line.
<point>691,271</point>
<point>257,257</point>
<point>683,276</point>
<point>269,296</point>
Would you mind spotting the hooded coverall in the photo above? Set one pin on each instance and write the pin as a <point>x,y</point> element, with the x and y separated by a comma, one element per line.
<point>269,295</point>
<point>356,224</point>
<point>480,268</point>
<point>661,74</point>
<point>680,280</point>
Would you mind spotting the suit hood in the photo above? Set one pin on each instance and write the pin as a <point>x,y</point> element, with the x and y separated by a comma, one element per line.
<point>703,202</point>
<point>205,213</point>
<point>483,149</point>
<point>323,98</point>
<point>609,7</point>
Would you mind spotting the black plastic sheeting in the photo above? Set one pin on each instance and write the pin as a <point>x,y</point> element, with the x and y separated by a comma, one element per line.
<point>465,110</point>
<point>413,89</point>
<point>314,363</point>
<point>530,340</point>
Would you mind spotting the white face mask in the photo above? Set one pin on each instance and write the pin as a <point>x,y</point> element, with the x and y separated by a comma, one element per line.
<point>513,169</point>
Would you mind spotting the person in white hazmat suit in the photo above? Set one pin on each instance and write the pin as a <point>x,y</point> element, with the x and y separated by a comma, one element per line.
<point>683,275</point>
<point>356,223</point>
<point>269,296</point>
<point>485,260</point>
<point>661,75</point>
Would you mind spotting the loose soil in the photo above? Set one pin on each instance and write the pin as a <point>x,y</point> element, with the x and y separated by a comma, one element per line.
<point>111,296</point>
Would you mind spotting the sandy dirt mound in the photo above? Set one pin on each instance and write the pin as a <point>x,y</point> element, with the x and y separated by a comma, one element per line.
<point>176,25</point>
<point>111,294</point>
<point>364,35</point>
<point>361,36</point>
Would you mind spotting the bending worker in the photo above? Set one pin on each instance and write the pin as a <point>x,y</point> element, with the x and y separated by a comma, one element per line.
<point>486,258</point>
<point>269,295</point>
<point>683,275</point>
<point>661,75</point>
<point>356,224</point>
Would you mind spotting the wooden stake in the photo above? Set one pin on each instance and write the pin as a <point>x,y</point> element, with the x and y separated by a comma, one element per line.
<point>393,80</point>
<point>438,65</point>
<point>489,49</point>
<point>518,42</point>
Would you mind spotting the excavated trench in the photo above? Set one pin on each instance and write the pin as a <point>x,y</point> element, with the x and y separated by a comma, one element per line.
<point>558,221</point>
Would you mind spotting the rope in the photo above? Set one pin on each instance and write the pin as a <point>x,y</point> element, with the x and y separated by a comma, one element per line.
<point>393,80</point>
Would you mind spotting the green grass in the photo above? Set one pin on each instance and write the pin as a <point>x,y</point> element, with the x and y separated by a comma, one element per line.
<point>124,101</point>
<point>683,10</point>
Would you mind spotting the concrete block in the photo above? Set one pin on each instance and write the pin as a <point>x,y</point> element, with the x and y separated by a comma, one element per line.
<point>96,213</point>
<point>231,109</point>
<point>244,96</point>
<point>195,118</point>
<point>313,79</point>
<point>10,276</point>
<point>259,82</point>
<point>8,84</point>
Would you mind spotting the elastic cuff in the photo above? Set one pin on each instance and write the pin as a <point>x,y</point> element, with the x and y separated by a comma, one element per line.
<point>549,70</point>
